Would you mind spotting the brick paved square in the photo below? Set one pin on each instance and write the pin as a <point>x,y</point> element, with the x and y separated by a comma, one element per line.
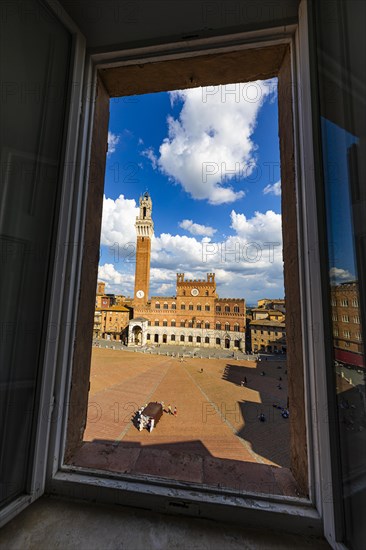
<point>216,437</point>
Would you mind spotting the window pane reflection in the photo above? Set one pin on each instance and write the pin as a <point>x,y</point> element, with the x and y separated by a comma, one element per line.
<point>342,91</point>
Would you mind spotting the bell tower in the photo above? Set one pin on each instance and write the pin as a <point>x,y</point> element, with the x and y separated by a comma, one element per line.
<point>144,230</point>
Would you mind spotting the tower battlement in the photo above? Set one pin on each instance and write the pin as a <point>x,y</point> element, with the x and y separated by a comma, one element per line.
<point>196,287</point>
<point>210,279</point>
<point>144,224</point>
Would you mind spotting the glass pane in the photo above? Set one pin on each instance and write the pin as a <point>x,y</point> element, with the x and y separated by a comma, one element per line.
<point>341,53</point>
<point>34,61</point>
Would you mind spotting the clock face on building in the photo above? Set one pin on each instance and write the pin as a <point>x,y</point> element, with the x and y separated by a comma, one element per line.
<point>140,294</point>
<point>194,292</point>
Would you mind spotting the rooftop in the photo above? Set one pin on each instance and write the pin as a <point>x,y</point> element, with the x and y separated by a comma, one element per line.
<point>268,322</point>
<point>112,308</point>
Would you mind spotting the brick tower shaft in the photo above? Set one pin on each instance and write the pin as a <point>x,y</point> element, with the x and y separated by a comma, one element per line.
<point>145,230</point>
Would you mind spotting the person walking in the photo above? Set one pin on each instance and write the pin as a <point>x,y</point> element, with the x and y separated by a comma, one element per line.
<point>175,411</point>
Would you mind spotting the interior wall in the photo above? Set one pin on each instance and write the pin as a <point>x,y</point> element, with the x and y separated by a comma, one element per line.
<point>115,24</point>
<point>85,318</point>
<point>295,366</point>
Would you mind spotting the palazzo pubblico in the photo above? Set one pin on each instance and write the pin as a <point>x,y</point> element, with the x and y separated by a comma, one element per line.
<point>195,316</point>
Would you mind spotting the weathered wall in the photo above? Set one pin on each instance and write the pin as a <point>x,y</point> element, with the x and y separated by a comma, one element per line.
<point>295,369</point>
<point>86,306</point>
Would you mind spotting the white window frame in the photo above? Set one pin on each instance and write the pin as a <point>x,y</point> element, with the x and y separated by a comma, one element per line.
<point>287,513</point>
<point>75,154</point>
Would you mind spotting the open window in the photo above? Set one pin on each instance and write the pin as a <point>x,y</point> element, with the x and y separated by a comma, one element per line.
<point>239,64</point>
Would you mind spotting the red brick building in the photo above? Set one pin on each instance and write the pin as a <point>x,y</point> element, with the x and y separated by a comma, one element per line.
<point>346,319</point>
<point>195,316</point>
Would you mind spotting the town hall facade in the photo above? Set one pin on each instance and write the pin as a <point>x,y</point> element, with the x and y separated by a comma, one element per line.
<point>195,316</point>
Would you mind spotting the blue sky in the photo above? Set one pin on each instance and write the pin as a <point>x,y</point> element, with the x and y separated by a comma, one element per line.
<point>336,142</point>
<point>209,158</point>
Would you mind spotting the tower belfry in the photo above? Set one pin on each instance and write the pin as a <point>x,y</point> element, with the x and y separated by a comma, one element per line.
<point>144,231</point>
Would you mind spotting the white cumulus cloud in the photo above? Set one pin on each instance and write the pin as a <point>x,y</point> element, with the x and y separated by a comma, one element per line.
<point>262,227</point>
<point>197,229</point>
<point>164,289</point>
<point>149,153</point>
<point>247,263</point>
<point>113,140</point>
<point>274,189</point>
<point>117,282</point>
<point>118,223</point>
<point>338,274</point>
<point>109,274</point>
<point>209,148</point>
